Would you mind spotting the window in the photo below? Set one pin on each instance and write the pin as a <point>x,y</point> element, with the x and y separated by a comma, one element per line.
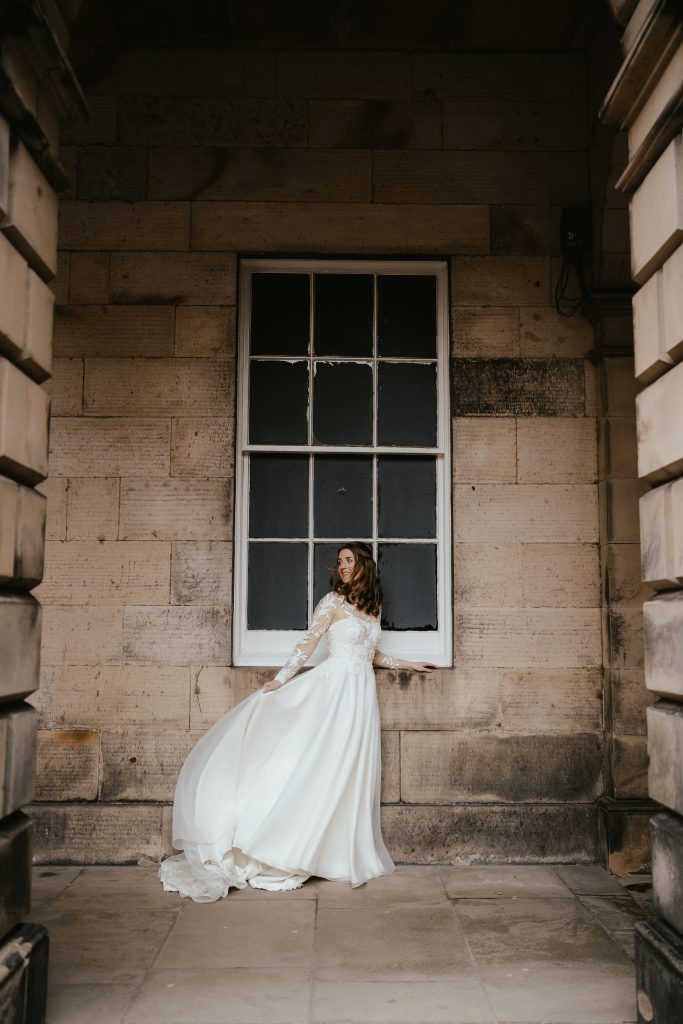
<point>343,433</point>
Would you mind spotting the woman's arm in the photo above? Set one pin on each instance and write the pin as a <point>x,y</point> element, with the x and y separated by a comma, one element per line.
<point>387,661</point>
<point>323,616</point>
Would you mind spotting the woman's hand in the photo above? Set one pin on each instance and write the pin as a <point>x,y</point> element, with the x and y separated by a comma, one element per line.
<point>272,684</point>
<point>422,666</point>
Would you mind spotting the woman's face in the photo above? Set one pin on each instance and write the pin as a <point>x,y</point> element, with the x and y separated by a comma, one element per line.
<point>346,563</point>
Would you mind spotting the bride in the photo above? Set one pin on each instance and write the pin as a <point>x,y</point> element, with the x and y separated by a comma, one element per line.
<point>286,785</point>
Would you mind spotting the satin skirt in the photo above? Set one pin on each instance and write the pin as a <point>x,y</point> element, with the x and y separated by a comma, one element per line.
<point>285,786</point>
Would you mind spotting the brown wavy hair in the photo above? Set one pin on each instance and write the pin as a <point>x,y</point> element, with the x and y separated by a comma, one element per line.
<point>363,589</point>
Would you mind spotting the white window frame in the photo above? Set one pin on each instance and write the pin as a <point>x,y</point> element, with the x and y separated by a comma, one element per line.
<point>266,647</point>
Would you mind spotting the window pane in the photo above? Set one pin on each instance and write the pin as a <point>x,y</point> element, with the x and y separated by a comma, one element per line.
<point>278,496</point>
<point>406,495</point>
<point>278,402</point>
<point>407,404</point>
<point>408,573</point>
<point>280,318</point>
<point>343,315</point>
<point>342,488</point>
<point>342,403</point>
<point>324,556</point>
<point>277,596</point>
<point>406,315</point>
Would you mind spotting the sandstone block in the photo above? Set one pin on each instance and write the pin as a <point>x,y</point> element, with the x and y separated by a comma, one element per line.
<point>625,637</point>
<point>31,222</point>
<point>455,76</point>
<point>158,387</point>
<point>560,575</point>
<point>175,510</point>
<point>16,841</point>
<point>344,75</point>
<point>620,386</point>
<point>216,690</point>
<point>115,331</point>
<point>665,751</point>
<point>565,700</point>
<point>148,226</point>
<point>23,425</point>
<point>556,450</point>
<point>629,767</point>
<point>14,275</point>
<point>54,489</point>
<point>659,420</point>
<point>143,764</point>
<point>201,572</point>
<point>500,281</point>
<point>619,509</point>
<point>667,868</point>
<point>443,767</point>
<point>623,580</point>
<point>661,93</point>
<point>651,357</point>
<point>93,509</point>
<point>88,277</point>
<point>181,635</point>
<point>8,527</point>
<point>488,575</point>
<point>536,638</point>
<point>661,535</point>
<point>18,728</point>
<point>109,447</point>
<point>96,833</point>
<point>105,573</point>
<point>618,447</point>
<point>485,450</point>
<point>65,388</point>
<point>663,640</point>
<point>672,305</point>
<point>421,176</point>
<point>263,175</point>
<point>196,278</point>
<point>110,696</point>
<point>30,542</point>
<point>485,331</point>
<point>202,447</point>
<point>374,124</point>
<point>391,763</point>
<point>524,230</point>
<point>590,376</point>
<point>99,130</point>
<point>67,764</point>
<point>503,125</point>
<point>656,213</point>
<point>518,387</point>
<point>531,513</point>
<point>342,228</point>
<point>447,699</point>
<point>205,331</point>
<point>545,334</point>
<point>630,700</point>
<point>80,635</point>
<point>36,356</point>
<point>113,172</point>
<point>4,166</point>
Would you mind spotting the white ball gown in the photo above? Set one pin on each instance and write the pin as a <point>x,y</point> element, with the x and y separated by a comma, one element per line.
<point>286,785</point>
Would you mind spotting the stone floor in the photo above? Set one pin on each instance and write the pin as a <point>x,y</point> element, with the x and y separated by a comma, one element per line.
<point>462,945</point>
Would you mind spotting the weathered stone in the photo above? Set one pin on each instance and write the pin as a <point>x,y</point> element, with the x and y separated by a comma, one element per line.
<point>484,450</point>
<point>504,125</point>
<point>621,387</point>
<point>54,489</point>
<point>619,509</point>
<point>67,764</point>
<point>661,92</point>
<point>518,387</point>
<point>94,572</point>
<point>99,130</point>
<point>374,124</point>
<point>663,640</point>
<point>201,572</point>
<point>8,527</point>
<point>543,333</point>
<point>19,646</point>
<point>466,698</point>
<point>622,575</point>
<point>115,331</point>
<point>667,868</point>
<point>18,728</point>
<point>174,278</point>
<point>205,331</point>
<point>557,450</point>
<point>31,223</point>
<point>109,447</point>
<point>4,166</point>
<point>532,513</point>
<point>96,833</point>
<point>30,537</point>
<point>202,447</point>
<point>36,355</point>
<point>657,213</point>
<point>344,75</point>
<point>16,840</point>
<point>143,764</point>
<point>661,535</point>
<point>630,699</point>
<point>391,761</point>
<point>181,635</point>
<point>525,230</point>
<point>560,575</point>
<point>618,450</point>
<point>14,275</point>
<point>488,575</point>
<point>659,971</point>
<point>215,691</point>
<point>93,510</point>
<point>113,172</point>
<point>561,700</point>
<point>665,750</point>
<point>478,75</point>
<point>629,766</point>
<point>521,638</point>
<point>625,637</point>
<point>88,277</point>
<point>148,226</point>
<point>417,176</point>
<point>651,357</point>
<point>175,510</point>
<point>672,309</point>
<point>23,425</point>
<point>99,696</point>
<point>485,331</point>
<point>82,636</point>
<point>659,414</point>
<point>65,388</point>
<point>447,768</point>
<point>334,227</point>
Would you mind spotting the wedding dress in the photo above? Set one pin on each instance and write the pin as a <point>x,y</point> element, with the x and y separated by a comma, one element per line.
<point>286,785</point>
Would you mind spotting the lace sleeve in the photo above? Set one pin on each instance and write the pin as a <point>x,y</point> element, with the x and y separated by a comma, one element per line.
<point>385,660</point>
<point>320,623</point>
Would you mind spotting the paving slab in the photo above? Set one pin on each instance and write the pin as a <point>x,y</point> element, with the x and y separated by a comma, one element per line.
<point>127,887</point>
<point>562,995</point>
<point>589,880</point>
<point>407,884</point>
<point>87,1004</point>
<point>400,1002</point>
<point>493,882</point>
<point>47,883</point>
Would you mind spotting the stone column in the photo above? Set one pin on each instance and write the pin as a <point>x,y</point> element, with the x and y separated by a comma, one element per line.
<point>646,99</point>
<point>37,90</point>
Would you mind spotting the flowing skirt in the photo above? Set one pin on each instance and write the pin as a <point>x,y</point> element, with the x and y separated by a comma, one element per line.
<point>286,785</point>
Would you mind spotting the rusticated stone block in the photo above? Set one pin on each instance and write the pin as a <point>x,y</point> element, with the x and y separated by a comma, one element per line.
<point>485,331</point>
<point>557,450</point>
<point>651,357</point>
<point>18,728</point>
<point>93,510</point>
<point>65,388</point>
<point>623,575</point>
<point>115,331</point>
<point>96,833</point>
<point>201,572</point>
<point>533,638</point>
<point>36,355</point>
<point>31,223</point>
<point>447,768</point>
<point>109,447</point>
<point>14,275</point>
<point>4,166</point>
<point>526,833</point>
<point>518,387</point>
<point>205,331</point>
<point>202,447</point>
<point>108,696</point>
<point>20,619</point>
<point>661,535</point>
<point>663,640</point>
<point>82,636</point>
<point>533,513</point>
<point>545,334</point>
<point>196,278</point>
<point>672,307</point>
<point>175,510</point>
<point>629,766</point>
<point>143,764</point>
<point>148,226</point>
<point>31,513</point>
<point>374,124</point>
<point>23,425</point>
<point>659,418</point>
<point>657,213</point>
<point>466,698</point>
<point>665,750</point>
<point>67,764</point>
<point>667,868</point>
<point>421,176</point>
<point>8,527</point>
<point>180,635</point>
<point>562,700</point>
<point>113,172</point>
<point>16,841</point>
<point>91,572</point>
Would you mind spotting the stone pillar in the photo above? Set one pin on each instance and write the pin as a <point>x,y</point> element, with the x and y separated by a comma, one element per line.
<point>646,99</point>
<point>37,90</point>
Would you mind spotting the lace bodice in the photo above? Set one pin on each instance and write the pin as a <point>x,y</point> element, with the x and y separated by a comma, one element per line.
<point>353,636</point>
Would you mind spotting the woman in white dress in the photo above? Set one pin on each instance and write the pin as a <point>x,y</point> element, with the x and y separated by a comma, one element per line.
<point>286,785</point>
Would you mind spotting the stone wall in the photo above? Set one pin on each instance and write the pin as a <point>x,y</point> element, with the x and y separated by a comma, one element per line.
<point>192,157</point>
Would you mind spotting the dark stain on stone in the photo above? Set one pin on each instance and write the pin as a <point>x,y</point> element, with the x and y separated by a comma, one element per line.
<point>372,129</point>
<point>518,387</point>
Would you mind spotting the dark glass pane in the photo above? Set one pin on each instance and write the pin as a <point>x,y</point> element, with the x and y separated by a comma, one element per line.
<point>278,586</point>
<point>406,315</point>
<point>278,402</point>
<point>343,315</point>
<point>280,317</point>
<point>278,496</point>
<point>342,403</point>
<point>342,503</point>
<point>408,573</point>
<point>406,405</point>
<point>324,556</point>
<point>406,495</point>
